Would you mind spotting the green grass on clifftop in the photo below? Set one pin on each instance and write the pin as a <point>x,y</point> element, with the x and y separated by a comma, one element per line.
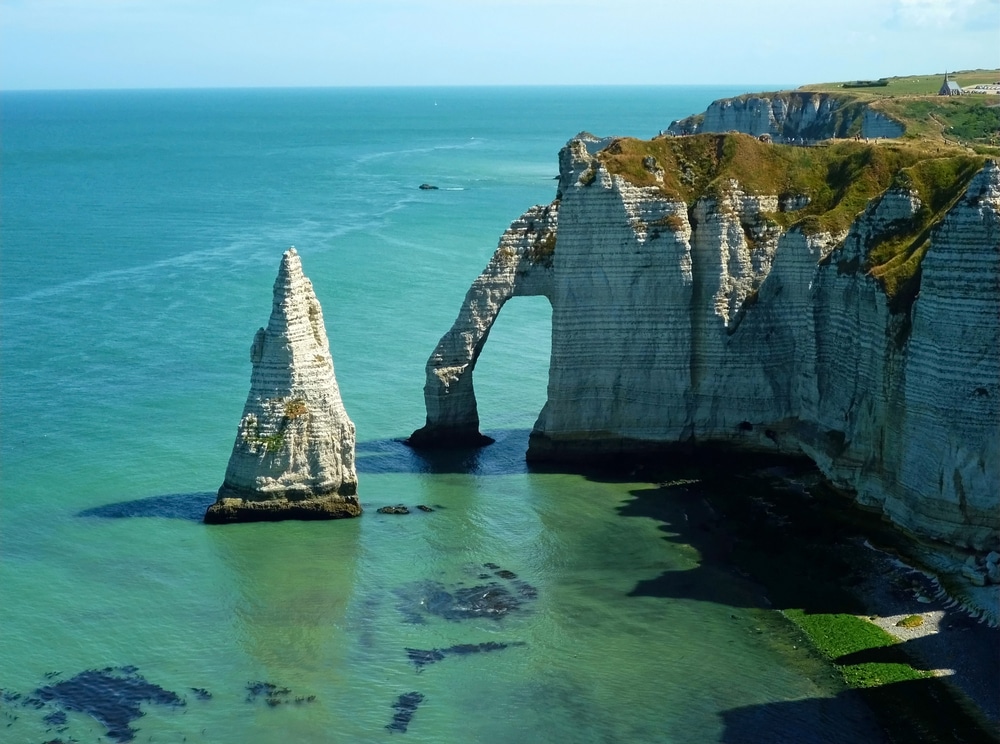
<point>912,85</point>
<point>971,119</point>
<point>840,179</point>
<point>938,183</point>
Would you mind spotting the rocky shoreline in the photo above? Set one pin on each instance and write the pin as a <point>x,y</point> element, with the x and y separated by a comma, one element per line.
<point>957,638</point>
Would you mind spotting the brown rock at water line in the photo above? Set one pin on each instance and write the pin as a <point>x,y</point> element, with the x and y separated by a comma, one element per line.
<point>293,457</point>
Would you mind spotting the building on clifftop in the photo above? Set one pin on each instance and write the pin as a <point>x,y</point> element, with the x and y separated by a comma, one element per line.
<point>950,87</point>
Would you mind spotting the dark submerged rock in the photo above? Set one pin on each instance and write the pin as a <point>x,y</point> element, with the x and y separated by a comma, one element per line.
<point>112,696</point>
<point>405,706</point>
<point>422,658</point>
<point>56,718</point>
<point>273,695</point>
<point>402,509</point>
<point>398,509</point>
<point>526,590</point>
<point>493,599</point>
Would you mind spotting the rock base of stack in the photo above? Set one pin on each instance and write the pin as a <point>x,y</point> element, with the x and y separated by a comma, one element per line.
<point>230,509</point>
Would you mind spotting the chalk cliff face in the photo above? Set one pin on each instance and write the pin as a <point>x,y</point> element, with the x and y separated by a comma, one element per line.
<point>294,452</point>
<point>723,320</point>
<point>790,115</point>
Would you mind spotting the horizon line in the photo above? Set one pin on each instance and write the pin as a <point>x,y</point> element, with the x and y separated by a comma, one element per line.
<point>751,87</point>
<point>389,86</point>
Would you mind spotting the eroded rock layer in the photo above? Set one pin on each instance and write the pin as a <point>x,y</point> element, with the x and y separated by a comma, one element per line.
<point>294,452</point>
<point>868,342</point>
<point>790,116</point>
<point>521,265</point>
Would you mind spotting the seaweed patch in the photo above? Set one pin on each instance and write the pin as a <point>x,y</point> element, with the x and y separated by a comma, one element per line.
<point>494,599</point>
<point>117,696</point>
<point>405,706</point>
<point>56,718</point>
<point>112,696</point>
<point>422,658</point>
<point>274,695</point>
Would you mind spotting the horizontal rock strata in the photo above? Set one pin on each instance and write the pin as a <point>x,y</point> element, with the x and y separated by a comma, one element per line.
<point>294,452</point>
<point>790,116</point>
<point>709,321</point>
<point>521,265</point>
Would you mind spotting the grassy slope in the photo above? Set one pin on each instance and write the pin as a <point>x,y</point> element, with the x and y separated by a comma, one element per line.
<point>913,85</point>
<point>913,100</point>
<point>839,179</point>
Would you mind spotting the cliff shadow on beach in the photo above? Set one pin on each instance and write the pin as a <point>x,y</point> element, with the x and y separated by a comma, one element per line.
<point>875,715</point>
<point>773,535</point>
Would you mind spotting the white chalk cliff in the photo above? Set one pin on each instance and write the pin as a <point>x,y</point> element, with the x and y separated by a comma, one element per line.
<point>294,452</point>
<point>521,265</point>
<point>710,322</point>
<point>790,115</point>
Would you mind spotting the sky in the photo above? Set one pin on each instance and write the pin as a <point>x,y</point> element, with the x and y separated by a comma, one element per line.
<point>70,44</point>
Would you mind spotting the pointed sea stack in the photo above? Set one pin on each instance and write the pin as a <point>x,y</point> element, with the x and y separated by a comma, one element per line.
<point>294,451</point>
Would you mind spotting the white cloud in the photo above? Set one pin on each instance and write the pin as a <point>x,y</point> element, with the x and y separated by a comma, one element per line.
<point>971,14</point>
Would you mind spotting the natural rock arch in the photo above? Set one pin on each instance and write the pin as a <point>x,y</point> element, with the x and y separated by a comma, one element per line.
<point>521,266</point>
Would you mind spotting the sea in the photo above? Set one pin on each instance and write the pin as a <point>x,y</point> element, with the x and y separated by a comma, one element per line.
<point>140,235</point>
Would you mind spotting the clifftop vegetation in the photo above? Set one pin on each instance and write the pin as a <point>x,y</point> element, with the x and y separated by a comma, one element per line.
<point>947,140</point>
<point>970,119</point>
<point>839,180</point>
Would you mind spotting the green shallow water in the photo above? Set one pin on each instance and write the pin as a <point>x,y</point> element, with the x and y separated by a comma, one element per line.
<point>141,234</point>
<point>317,608</point>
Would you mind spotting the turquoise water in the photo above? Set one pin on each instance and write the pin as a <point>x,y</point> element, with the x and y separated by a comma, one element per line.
<point>141,232</point>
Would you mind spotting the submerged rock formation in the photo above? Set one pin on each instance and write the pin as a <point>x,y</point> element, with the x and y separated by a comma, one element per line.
<point>294,451</point>
<point>840,302</point>
<point>790,116</point>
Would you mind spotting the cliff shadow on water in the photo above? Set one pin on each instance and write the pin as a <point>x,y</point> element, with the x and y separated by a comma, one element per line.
<point>504,456</point>
<point>772,535</point>
<point>186,506</point>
